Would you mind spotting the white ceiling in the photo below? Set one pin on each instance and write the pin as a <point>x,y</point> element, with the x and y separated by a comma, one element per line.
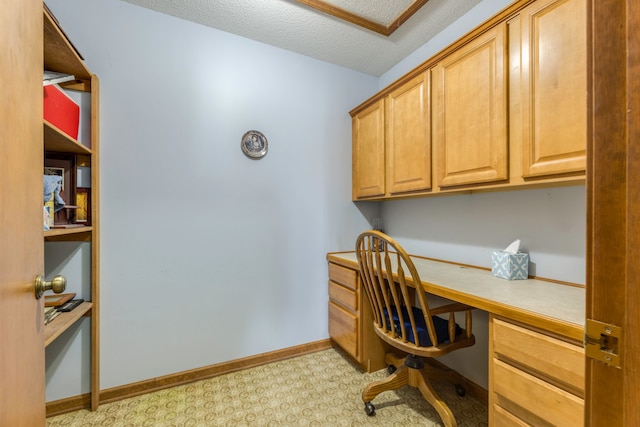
<point>291,25</point>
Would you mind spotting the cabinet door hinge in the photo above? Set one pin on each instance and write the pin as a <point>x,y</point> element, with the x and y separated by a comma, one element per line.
<point>603,342</point>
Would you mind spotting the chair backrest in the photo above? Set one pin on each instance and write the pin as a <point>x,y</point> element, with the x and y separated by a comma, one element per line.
<point>390,279</point>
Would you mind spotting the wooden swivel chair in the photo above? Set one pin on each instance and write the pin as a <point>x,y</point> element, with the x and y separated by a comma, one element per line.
<point>403,319</point>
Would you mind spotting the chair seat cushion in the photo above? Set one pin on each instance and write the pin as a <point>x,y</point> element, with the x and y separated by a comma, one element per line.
<point>441,326</point>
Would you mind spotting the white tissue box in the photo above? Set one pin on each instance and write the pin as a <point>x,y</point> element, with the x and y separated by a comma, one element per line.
<point>510,266</point>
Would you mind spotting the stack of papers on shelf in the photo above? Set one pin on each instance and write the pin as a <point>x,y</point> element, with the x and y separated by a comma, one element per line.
<point>52,77</point>
<point>50,313</point>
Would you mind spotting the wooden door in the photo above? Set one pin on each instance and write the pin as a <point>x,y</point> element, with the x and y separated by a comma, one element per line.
<point>613,207</point>
<point>554,87</point>
<point>22,389</point>
<point>408,137</point>
<point>470,112</point>
<point>368,152</point>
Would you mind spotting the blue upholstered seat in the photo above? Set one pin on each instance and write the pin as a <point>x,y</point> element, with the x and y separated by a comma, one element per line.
<point>440,325</point>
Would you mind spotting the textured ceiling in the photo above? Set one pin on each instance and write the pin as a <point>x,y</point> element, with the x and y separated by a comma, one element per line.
<point>290,25</point>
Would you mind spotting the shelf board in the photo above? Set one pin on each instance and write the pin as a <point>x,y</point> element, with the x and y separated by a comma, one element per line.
<point>65,234</point>
<point>56,140</point>
<point>59,54</point>
<point>64,321</point>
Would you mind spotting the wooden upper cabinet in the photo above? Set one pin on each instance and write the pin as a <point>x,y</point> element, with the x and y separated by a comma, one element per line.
<point>554,87</point>
<point>504,106</point>
<point>470,135</point>
<point>408,137</point>
<point>368,152</point>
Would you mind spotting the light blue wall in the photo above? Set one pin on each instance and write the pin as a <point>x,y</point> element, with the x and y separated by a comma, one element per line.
<point>195,234</point>
<point>551,224</point>
<point>208,256</point>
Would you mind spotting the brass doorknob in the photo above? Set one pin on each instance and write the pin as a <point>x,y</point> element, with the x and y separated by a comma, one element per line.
<point>57,285</point>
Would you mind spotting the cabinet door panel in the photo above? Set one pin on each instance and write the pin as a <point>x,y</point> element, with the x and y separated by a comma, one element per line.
<point>368,152</point>
<point>554,92</point>
<point>470,112</point>
<point>408,137</point>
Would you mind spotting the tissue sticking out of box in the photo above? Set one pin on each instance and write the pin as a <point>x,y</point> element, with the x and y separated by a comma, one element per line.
<point>513,248</point>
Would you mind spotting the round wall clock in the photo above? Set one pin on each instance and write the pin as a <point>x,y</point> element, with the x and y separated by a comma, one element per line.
<point>254,144</point>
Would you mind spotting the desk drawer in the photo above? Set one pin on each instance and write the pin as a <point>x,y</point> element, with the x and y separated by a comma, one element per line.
<point>344,296</point>
<point>345,276</point>
<point>520,390</point>
<point>546,356</point>
<point>343,329</point>
<point>504,418</point>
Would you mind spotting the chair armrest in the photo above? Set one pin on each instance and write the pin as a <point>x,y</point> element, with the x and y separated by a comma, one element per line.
<point>450,308</point>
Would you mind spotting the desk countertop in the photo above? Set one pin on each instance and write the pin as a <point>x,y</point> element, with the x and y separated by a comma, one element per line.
<point>551,306</point>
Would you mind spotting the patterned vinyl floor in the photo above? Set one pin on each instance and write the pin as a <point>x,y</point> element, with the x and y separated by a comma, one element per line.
<point>318,389</point>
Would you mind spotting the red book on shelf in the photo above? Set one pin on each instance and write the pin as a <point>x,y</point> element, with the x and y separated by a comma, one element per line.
<point>61,111</point>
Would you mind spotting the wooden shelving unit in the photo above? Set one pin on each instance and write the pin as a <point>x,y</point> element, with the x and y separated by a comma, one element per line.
<point>60,55</point>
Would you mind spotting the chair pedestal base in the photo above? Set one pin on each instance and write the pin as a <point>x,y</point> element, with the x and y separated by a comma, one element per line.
<point>417,378</point>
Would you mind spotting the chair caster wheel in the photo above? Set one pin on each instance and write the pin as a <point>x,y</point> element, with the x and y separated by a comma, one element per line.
<point>460,390</point>
<point>391,369</point>
<point>369,409</point>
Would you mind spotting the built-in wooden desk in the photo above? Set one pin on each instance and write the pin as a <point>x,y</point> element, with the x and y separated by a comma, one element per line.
<point>536,328</point>
<point>551,306</point>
